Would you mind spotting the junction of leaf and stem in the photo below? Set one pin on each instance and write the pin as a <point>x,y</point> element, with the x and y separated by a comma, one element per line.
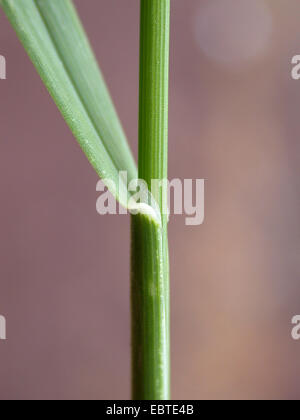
<point>184,197</point>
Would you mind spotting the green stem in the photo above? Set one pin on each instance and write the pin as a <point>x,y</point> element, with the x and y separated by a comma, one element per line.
<point>150,262</point>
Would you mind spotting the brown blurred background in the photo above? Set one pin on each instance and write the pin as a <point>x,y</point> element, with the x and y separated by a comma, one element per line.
<point>64,270</point>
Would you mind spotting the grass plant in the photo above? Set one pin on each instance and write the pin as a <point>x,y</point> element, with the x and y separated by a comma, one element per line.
<point>54,38</point>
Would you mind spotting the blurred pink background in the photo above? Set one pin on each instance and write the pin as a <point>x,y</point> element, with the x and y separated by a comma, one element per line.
<point>235,121</point>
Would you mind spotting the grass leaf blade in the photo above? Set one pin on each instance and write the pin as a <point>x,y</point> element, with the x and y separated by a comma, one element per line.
<point>53,37</point>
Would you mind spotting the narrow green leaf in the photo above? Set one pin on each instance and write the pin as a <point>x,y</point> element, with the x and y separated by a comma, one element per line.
<point>150,259</point>
<point>53,36</point>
